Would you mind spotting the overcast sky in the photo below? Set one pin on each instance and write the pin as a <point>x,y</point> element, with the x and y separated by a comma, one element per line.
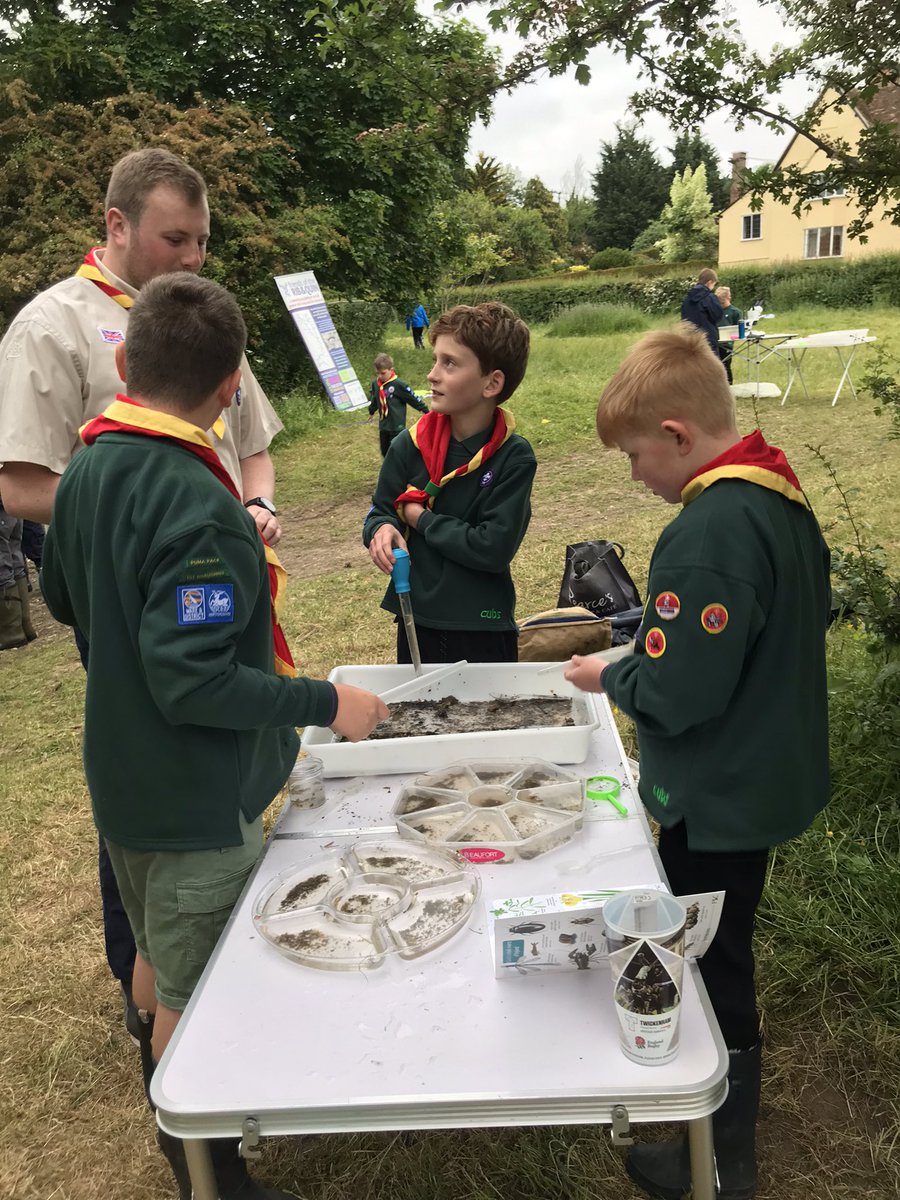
<point>543,128</point>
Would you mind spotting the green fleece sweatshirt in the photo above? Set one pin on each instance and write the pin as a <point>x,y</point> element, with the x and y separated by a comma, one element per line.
<point>460,554</point>
<point>727,687</point>
<point>186,723</point>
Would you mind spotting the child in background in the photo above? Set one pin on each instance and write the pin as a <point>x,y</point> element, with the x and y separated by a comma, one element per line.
<point>731,315</point>
<point>455,490</point>
<point>726,687</point>
<point>390,397</point>
<point>192,698</point>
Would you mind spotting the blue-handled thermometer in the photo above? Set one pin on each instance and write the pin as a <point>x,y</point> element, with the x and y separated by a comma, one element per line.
<point>400,576</point>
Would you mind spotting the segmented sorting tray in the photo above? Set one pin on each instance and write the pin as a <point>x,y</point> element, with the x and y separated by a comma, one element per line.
<point>493,811</point>
<point>352,908</point>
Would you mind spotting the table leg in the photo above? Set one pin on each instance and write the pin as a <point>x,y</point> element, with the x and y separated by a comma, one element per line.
<point>795,371</point>
<point>703,1165</point>
<point>203,1181</point>
<point>846,374</point>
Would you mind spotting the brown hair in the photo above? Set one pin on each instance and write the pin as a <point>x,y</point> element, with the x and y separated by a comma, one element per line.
<point>496,336</point>
<point>383,362</point>
<point>136,175</point>
<point>185,335</point>
<point>671,374</point>
<point>707,275</point>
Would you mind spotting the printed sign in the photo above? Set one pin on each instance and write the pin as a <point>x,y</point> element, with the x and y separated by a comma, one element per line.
<point>303,299</point>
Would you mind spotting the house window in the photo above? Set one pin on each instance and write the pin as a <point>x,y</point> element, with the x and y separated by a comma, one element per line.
<point>752,227</point>
<point>835,194</point>
<point>826,242</point>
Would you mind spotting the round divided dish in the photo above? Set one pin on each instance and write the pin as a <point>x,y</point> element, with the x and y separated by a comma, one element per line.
<point>493,811</point>
<point>351,909</point>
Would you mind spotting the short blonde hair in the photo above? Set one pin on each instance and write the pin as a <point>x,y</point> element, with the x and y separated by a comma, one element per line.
<point>383,362</point>
<point>723,291</point>
<point>671,374</point>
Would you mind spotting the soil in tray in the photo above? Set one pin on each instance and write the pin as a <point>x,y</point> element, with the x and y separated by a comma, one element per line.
<point>428,718</point>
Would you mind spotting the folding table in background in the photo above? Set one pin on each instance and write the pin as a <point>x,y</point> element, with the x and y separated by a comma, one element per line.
<point>839,340</point>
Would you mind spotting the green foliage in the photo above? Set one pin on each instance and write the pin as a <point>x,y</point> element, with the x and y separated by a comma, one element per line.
<point>691,149</point>
<point>630,187</point>
<point>690,228</point>
<point>612,256</point>
<point>579,214</point>
<point>375,102</point>
<point>881,380</point>
<point>693,61</point>
<point>488,177</point>
<point>597,320</point>
<point>659,288</point>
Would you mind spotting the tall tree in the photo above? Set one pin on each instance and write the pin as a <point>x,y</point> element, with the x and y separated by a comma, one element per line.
<point>692,60</point>
<point>537,196</point>
<point>630,187</point>
<point>490,177</point>
<point>376,102</point>
<point>690,150</point>
<point>690,227</point>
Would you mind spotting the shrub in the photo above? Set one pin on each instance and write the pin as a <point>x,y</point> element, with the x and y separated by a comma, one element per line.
<point>659,288</point>
<point>612,256</point>
<point>594,320</point>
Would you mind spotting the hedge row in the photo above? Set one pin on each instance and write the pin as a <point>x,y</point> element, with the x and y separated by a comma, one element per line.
<point>861,282</point>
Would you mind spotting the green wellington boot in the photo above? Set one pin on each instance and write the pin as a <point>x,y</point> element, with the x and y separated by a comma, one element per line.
<point>664,1170</point>
<point>27,627</point>
<point>11,632</point>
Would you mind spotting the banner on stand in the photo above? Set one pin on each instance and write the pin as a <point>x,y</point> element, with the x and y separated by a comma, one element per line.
<point>303,299</point>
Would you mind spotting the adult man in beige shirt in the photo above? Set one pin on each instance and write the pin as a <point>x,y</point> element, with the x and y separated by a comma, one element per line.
<point>57,370</point>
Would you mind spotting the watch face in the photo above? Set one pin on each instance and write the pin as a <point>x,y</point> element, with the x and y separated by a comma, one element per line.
<point>262,502</point>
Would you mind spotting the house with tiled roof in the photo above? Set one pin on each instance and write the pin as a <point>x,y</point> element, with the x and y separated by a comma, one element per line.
<point>775,234</point>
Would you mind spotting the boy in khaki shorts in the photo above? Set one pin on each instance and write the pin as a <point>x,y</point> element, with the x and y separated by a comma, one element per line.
<point>192,699</point>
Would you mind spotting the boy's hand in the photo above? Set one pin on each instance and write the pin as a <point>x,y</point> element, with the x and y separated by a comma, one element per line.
<point>410,513</point>
<point>586,672</point>
<point>381,547</point>
<point>358,712</point>
<point>267,523</point>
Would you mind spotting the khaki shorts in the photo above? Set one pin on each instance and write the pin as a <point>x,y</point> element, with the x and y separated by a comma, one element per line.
<point>178,903</point>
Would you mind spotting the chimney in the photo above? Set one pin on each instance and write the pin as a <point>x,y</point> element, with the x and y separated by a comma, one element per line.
<point>738,167</point>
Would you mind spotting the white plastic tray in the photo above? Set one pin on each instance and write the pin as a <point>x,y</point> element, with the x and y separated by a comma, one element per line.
<point>472,681</point>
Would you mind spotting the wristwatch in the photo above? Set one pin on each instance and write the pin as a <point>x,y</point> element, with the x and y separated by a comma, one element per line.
<point>261,502</point>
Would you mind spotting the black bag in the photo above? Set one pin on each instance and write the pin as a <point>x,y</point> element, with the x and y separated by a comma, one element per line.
<point>596,579</point>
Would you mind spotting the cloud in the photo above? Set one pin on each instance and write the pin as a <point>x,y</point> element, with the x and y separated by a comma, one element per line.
<point>543,128</point>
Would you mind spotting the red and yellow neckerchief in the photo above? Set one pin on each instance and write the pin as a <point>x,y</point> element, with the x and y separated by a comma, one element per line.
<point>431,436</point>
<point>90,270</point>
<point>753,459</point>
<point>382,399</point>
<point>127,416</point>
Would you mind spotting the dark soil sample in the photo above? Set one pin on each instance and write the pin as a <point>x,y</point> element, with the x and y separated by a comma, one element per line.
<point>427,718</point>
<point>437,917</point>
<point>308,939</point>
<point>301,890</point>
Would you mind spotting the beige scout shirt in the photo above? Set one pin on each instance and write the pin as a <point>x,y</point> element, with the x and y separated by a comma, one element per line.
<point>58,369</point>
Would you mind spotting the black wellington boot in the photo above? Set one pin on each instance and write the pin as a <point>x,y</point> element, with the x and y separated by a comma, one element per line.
<point>232,1177</point>
<point>172,1148</point>
<point>12,634</point>
<point>664,1170</point>
<point>27,627</point>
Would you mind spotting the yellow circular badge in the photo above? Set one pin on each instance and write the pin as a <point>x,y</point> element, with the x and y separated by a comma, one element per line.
<point>655,643</point>
<point>714,618</point>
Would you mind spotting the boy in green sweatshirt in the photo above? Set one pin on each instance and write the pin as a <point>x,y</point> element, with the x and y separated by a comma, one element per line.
<point>192,697</point>
<point>390,397</point>
<point>726,687</point>
<point>455,490</point>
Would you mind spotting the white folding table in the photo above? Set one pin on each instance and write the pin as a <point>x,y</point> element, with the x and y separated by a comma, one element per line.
<point>839,340</point>
<point>267,1047</point>
<point>755,349</point>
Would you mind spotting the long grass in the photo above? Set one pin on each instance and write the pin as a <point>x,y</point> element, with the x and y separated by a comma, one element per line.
<point>73,1122</point>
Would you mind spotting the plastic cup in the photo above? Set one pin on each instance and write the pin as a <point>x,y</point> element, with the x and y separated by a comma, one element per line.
<point>306,782</point>
<point>645,941</point>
